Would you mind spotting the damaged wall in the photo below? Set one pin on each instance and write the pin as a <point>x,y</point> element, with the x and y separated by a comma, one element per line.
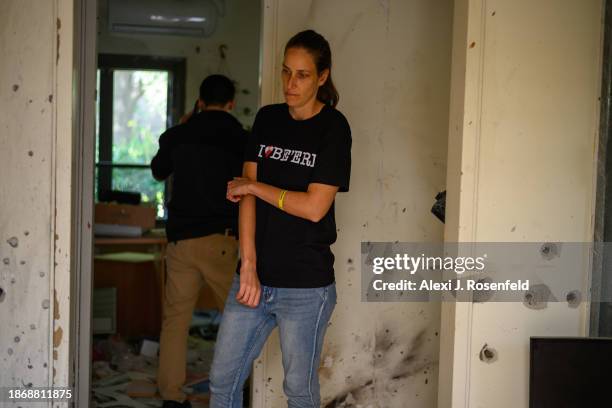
<point>35,196</point>
<point>392,69</point>
<point>521,168</point>
<point>238,29</point>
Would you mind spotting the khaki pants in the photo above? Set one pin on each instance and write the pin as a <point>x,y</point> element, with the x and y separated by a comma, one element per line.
<point>190,262</point>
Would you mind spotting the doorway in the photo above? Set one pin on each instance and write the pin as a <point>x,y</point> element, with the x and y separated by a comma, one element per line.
<point>142,81</point>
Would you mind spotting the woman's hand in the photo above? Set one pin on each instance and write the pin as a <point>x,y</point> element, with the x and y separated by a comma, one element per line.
<point>237,188</point>
<point>250,289</point>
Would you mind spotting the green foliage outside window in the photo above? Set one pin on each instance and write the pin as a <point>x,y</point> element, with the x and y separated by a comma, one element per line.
<point>140,101</point>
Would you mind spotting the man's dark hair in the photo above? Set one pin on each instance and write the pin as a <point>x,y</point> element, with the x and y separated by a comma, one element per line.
<point>217,90</point>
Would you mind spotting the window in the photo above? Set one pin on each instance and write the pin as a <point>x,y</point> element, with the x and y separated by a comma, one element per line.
<point>138,98</point>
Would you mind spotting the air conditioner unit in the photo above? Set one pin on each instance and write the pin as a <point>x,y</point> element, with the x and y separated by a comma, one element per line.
<point>194,18</point>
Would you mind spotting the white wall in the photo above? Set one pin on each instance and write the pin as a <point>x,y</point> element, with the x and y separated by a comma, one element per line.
<point>35,191</point>
<point>521,168</point>
<point>239,30</point>
<point>392,69</point>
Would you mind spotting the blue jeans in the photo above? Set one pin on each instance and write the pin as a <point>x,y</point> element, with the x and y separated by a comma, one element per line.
<point>301,315</point>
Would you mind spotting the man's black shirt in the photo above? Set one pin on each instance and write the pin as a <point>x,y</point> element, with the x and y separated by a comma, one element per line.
<point>202,155</point>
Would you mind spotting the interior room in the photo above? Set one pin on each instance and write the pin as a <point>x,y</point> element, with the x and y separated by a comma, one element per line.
<point>148,77</point>
<point>472,122</point>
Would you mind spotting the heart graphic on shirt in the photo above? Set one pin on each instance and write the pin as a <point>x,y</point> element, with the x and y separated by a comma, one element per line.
<point>268,151</point>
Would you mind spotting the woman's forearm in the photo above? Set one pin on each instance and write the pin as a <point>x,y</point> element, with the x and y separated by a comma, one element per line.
<point>246,219</point>
<point>246,222</point>
<point>250,289</point>
<point>311,205</point>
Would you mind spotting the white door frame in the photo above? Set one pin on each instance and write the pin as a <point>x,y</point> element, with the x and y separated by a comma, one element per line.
<point>84,107</point>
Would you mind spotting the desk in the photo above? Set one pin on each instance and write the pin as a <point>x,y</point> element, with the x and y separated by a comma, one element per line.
<point>127,242</point>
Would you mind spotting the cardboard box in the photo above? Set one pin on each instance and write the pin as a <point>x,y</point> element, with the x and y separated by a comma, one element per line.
<point>124,214</point>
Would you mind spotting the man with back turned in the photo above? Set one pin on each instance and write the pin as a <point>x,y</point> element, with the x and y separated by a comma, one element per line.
<point>202,155</point>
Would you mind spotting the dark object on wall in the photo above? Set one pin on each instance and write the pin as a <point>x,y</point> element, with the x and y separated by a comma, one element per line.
<point>569,372</point>
<point>439,207</point>
<point>121,197</point>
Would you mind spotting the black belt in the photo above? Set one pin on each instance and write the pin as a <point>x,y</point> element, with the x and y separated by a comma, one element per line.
<point>228,232</point>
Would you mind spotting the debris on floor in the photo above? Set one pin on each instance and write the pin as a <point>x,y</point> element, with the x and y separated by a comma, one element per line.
<point>124,372</point>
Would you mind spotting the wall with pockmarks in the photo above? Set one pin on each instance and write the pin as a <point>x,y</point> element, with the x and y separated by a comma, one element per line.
<point>521,168</point>
<point>35,196</point>
<point>391,65</point>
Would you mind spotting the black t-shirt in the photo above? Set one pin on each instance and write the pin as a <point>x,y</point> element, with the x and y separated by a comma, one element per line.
<point>294,252</point>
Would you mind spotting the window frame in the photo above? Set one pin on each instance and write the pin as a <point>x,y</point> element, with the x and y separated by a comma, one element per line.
<point>107,64</point>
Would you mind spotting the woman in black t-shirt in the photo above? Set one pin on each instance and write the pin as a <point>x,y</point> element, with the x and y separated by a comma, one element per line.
<point>297,158</point>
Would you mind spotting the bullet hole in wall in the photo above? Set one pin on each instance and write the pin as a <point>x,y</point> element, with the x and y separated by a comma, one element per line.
<point>550,250</point>
<point>573,298</point>
<point>487,354</point>
<point>537,297</point>
<point>481,296</point>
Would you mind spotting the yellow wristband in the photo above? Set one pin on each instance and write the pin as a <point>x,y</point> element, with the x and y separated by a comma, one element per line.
<point>281,199</point>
